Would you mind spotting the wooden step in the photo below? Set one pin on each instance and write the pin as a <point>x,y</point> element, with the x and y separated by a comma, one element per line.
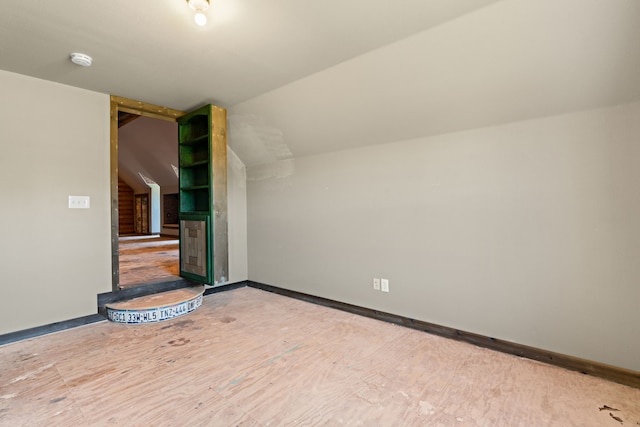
<point>156,307</point>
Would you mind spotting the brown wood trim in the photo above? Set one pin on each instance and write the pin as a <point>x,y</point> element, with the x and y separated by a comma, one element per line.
<point>115,261</point>
<point>220,244</point>
<point>597,369</point>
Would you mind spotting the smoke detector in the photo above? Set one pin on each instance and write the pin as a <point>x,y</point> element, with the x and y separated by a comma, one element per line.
<point>81,59</point>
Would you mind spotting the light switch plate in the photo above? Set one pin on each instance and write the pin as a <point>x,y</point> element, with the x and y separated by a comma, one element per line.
<point>79,202</point>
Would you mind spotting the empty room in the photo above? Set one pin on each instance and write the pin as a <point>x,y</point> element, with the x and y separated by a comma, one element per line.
<point>375,213</point>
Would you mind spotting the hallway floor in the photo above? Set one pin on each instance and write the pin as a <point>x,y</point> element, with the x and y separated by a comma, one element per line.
<point>253,358</point>
<point>147,258</point>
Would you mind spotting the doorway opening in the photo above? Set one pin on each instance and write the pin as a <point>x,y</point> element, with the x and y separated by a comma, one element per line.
<point>147,255</point>
<point>144,233</point>
<point>141,214</point>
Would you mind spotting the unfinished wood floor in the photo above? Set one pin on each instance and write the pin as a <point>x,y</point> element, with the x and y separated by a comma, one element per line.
<point>252,358</point>
<point>145,259</point>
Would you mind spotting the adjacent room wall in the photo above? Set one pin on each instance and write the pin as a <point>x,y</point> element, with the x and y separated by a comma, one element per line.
<point>54,260</point>
<point>528,232</point>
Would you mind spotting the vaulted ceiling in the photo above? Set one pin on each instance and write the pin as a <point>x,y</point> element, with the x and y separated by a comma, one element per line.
<point>302,78</point>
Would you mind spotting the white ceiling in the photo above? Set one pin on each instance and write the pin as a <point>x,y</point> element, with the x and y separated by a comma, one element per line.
<point>151,50</point>
<point>303,78</point>
<point>512,60</point>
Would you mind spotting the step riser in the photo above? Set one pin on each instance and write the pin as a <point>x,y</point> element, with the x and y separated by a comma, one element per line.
<point>156,308</point>
<point>154,315</point>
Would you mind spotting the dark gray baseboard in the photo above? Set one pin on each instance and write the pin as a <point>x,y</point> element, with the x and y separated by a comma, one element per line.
<point>49,329</point>
<point>597,369</point>
<point>227,287</point>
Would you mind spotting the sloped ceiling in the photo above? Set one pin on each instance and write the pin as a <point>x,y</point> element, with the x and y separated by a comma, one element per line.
<point>148,146</point>
<point>302,78</point>
<point>513,60</point>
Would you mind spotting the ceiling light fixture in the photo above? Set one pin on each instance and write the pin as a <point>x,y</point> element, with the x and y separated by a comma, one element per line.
<point>199,6</point>
<point>81,59</point>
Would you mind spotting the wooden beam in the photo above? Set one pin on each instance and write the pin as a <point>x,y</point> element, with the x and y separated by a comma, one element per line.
<point>146,109</point>
<point>115,266</point>
<point>220,244</point>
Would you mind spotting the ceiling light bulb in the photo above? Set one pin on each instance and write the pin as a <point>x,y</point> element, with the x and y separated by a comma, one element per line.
<point>199,6</point>
<point>200,18</point>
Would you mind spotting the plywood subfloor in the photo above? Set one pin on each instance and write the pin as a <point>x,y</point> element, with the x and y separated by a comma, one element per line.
<point>145,259</point>
<point>251,358</point>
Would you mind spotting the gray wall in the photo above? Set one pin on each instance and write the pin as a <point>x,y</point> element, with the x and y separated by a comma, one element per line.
<point>527,232</point>
<point>55,260</point>
<point>55,143</point>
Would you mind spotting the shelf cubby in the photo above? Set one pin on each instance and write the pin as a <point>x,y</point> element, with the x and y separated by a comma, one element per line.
<point>202,184</point>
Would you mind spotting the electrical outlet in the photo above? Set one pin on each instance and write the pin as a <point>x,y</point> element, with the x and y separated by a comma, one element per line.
<point>384,285</point>
<point>376,284</point>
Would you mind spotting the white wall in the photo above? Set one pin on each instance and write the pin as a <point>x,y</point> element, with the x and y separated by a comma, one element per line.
<point>527,232</point>
<point>55,260</point>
